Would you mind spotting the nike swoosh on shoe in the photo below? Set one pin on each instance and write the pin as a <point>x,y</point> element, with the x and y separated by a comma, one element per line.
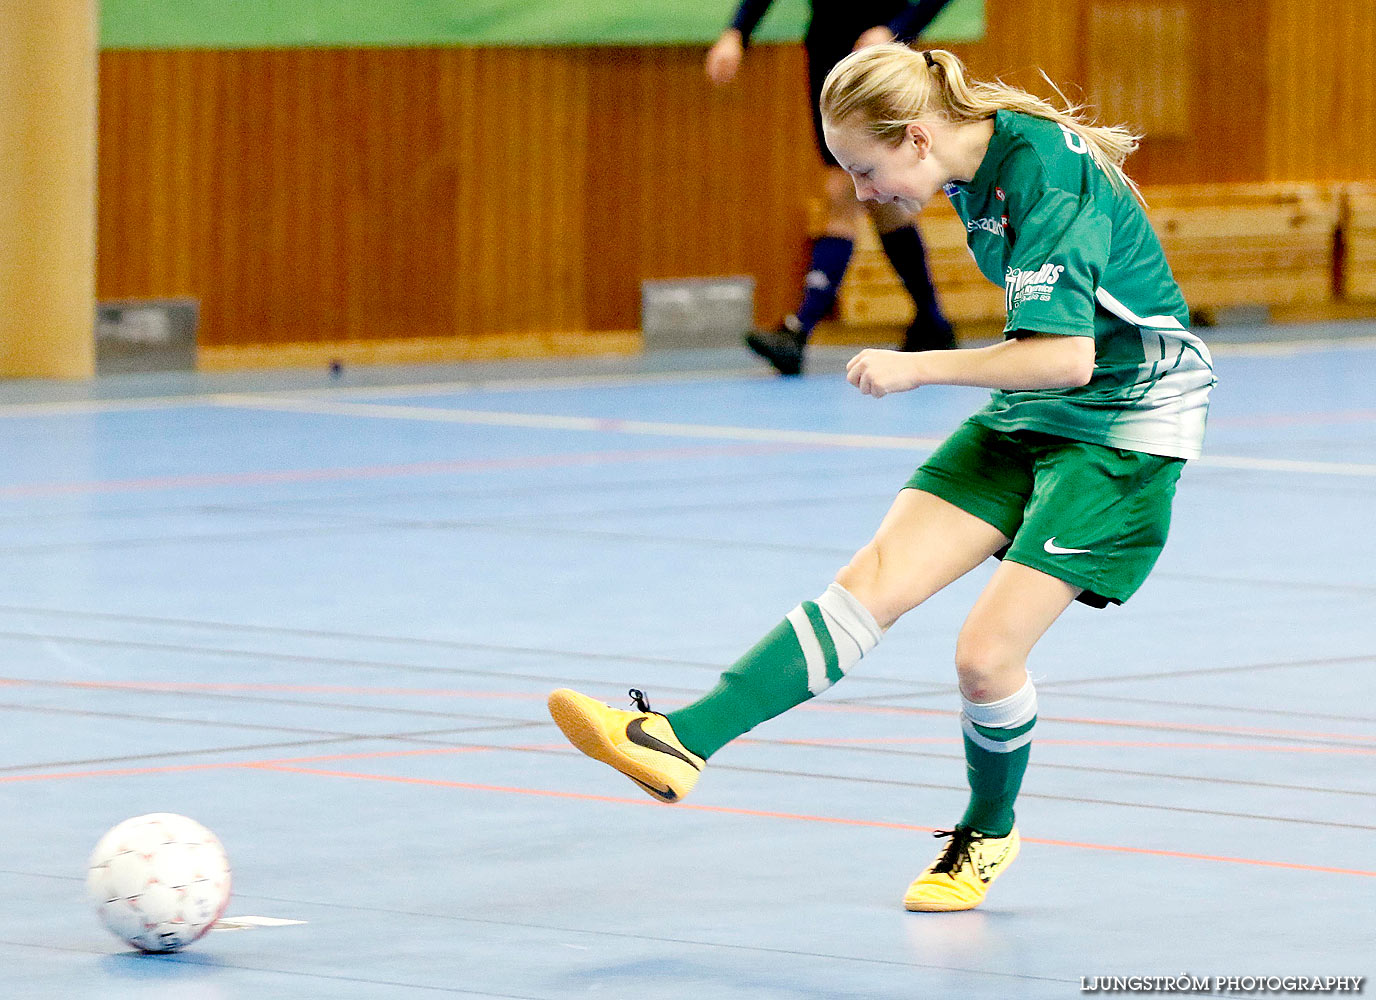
<point>635,732</point>
<point>663,794</point>
<point>980,870</point>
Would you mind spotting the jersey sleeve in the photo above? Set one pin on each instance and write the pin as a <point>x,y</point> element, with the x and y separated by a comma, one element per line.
<point>1060,249</point>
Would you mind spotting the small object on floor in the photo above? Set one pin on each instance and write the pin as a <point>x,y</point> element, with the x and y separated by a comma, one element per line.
<point>336,369</point>
<point>782,348</point>
<point>159,881</point>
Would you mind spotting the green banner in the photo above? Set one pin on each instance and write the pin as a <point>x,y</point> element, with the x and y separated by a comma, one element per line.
<point>228,24</point>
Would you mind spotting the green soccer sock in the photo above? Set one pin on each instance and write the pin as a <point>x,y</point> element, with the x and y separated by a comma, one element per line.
<point>998,738</point>
<point>808,652</point>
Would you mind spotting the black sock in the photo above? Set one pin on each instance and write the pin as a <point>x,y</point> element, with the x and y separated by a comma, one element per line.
<point>904,249</point>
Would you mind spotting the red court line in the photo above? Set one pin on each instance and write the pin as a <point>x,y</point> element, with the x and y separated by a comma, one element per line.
<point>806,818</point>
<point>286,765</point>
<point>1132,744</point>
<point>222,765</point>
<point>336,473</point>
<point>209,688</point>
<point>125,772</point>
<point>1088,721</point>
<point>192,687</point>
<point>1223,730</point>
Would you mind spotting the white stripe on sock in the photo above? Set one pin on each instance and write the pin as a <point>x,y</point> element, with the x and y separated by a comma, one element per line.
<point>1018,709</point>
<point>817,680</point>
<point>993,746</point>
<point>1007,713</point>
<point>844,614</point>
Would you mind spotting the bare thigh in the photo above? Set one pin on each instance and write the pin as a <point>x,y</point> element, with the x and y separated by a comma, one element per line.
<point>1012,613</point>
<point>923,544</point>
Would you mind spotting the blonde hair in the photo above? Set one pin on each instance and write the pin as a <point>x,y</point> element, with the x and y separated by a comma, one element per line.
<point>888,87</point>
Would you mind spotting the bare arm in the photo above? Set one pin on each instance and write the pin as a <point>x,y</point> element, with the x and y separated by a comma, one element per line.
<point>1038,361</point>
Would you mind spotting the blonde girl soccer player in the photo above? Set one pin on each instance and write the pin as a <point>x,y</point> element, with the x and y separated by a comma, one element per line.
<point>1067,474</point>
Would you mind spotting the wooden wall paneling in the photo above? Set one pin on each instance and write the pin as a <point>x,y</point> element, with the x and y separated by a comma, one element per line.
<point>1322,106</point>
<point>186,183</point>
<point>616,209</point>
<point>518,150</point>
<point>226,297</point>
<point>695,180</point>
<point>400,269</point>
<point>458,84</point>
<point>1024,39</point>
<point>112,221</point>
<point>374,194</point>
<point>1356,68</point>
<point>1138,65</point>
<point>118,220</point>
<point>782,161</point>
<point>770,168</point>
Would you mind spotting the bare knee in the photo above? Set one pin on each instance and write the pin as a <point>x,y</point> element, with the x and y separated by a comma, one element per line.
<point>840,191</point>
<point>989,667</point>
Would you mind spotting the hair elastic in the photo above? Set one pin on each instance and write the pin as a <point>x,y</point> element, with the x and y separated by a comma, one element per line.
<point>931,63</point>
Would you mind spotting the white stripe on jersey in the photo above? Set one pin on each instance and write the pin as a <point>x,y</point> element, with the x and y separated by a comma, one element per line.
<point>1168,325</point>
<point>1123,312</point>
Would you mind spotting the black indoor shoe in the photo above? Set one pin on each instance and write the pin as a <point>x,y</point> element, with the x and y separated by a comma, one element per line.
<point>782,348</point>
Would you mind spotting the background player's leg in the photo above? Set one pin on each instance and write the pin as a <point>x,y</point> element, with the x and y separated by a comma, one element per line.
<point>923,544</point>
<point>831,252</point>
<point>929,330</point>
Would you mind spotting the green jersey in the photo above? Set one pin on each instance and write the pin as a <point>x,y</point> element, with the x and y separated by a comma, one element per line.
<point>1077,257</point>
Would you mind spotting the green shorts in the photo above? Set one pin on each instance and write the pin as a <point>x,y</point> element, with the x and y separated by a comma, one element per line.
<point>1093,516</point>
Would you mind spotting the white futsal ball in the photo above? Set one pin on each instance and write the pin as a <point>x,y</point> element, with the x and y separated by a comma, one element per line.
<point>159,881</point>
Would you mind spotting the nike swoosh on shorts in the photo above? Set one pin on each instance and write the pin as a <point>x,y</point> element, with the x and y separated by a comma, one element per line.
<point>1053,549</point>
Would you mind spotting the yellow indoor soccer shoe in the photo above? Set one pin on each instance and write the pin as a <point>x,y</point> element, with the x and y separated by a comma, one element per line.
<point>640,744</point>
<point>960,877</point>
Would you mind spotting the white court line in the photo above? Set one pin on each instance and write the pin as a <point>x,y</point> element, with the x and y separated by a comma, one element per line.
<point>1286,348</point>
<point>82,407</point>
<point>495,418</point>
<point>538,382</point>
<point>1249,464</point>
<point>541,421</point>
<point>554,382</point>
<point>77,407</point>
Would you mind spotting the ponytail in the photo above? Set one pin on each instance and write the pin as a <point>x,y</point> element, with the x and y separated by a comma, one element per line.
<point>888,87</point>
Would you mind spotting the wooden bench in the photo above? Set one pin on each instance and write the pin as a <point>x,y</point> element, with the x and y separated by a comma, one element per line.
<point>1234,245</point>
<point>1358,268</point>
<point>872,295</point>
<point>1229,245</point>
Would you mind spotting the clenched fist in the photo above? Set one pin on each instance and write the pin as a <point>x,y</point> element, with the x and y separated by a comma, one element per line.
<point>877,373</point>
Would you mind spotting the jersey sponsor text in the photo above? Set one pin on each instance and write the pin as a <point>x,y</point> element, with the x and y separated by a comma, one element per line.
<point>989,225</point>
<point>1031,286</point>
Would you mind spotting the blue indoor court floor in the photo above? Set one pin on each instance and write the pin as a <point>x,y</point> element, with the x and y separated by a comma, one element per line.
<point>322,616</point>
